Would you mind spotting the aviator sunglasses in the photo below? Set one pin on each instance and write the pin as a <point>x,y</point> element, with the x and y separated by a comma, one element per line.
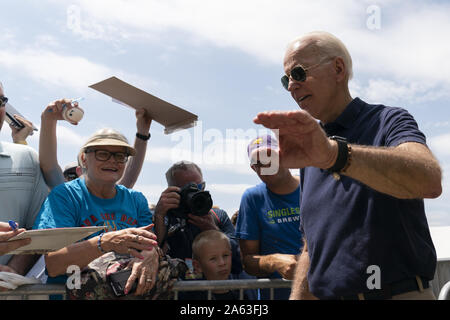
<point>299,73</point>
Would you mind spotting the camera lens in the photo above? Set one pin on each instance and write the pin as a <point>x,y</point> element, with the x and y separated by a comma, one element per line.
<point>200,203</point>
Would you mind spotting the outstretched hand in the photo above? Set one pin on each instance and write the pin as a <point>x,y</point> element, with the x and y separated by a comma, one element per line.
<point>302,141</point>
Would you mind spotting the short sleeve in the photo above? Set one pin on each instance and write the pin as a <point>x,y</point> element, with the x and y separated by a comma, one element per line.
<point>225,223</point>
<point>401,127</point>
<point>145,216</point>
<point>247,226</point>
<point>57,211</point>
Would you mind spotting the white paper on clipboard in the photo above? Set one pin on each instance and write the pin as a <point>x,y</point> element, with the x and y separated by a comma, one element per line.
<point>47,240</point>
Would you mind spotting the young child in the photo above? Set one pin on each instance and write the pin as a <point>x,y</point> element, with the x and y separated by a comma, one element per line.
<point>211,257</point>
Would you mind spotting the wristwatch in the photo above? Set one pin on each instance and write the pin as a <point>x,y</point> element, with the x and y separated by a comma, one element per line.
<point>343,158</point>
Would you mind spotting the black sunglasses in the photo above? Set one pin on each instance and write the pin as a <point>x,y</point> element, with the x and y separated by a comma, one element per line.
<point>104,155</point>
<point>70,175</point>
<point>3,101</point>
<point>299,73</point>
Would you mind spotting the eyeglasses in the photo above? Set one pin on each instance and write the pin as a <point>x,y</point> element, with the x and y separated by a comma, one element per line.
<point>3,101</point>
<point>104,155</point>
<point>299,73</point>
<point>201,186</point>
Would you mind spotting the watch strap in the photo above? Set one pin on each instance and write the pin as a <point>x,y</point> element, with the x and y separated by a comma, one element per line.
<point>343,154</point>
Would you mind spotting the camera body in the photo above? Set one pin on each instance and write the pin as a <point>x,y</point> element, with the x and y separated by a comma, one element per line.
<point>192,200</point>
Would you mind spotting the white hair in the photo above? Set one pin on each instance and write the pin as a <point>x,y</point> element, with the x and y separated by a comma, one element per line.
<point>329,46</point>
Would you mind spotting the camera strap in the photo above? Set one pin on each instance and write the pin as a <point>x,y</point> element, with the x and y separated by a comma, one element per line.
<point>216,218</point>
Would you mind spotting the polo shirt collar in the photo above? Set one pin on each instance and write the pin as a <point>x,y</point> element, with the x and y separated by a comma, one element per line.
<point>347,118</point>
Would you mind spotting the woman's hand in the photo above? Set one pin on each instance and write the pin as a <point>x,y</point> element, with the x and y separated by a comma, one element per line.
<point>143,121</point>
<point>130,241</point>
<point>144,271</point>
<point>7,233</point>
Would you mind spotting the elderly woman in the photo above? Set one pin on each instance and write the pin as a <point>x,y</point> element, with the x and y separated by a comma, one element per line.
<point>96,200</point>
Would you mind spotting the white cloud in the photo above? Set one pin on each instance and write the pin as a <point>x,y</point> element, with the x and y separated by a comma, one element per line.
<point>438,209</point>
<point>52,69</point>
<point>150,191</point>
<point>68,137</point>
<point>410,44</point>
<point>388,91</point>
<point>440,145</point>
<point>233,189</point>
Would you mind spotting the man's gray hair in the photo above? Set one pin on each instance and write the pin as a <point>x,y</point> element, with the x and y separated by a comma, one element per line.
<point>183,166</point>
<point>330,46</point>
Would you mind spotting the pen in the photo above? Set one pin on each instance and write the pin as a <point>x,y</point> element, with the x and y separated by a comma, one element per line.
<point>74,102</point>
<point>12,224</point>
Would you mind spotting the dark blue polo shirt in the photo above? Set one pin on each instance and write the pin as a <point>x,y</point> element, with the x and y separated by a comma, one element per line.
<point>349,226</point>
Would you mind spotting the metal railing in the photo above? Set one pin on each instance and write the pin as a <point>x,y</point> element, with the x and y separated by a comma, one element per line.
<point>40,290</point>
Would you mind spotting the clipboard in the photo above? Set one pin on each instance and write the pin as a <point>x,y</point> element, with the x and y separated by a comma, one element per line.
<point>47,240</point>
<point>173,118</point>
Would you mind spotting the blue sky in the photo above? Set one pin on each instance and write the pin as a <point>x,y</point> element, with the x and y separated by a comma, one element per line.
<point>221,60</point>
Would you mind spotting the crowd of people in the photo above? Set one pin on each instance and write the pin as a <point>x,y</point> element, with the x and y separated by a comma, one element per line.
<point>357,201</point>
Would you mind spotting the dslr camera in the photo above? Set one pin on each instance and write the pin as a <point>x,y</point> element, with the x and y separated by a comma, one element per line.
<point>192,200</point>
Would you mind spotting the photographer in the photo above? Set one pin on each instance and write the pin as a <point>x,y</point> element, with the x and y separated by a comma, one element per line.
<point>176,227</point>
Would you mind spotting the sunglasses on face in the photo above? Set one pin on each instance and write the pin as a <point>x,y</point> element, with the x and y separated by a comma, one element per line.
<point>3,101</point>
<point>103,155</point>
<point>201,186</point>
<point>298,73</point>
<point>70,175</point>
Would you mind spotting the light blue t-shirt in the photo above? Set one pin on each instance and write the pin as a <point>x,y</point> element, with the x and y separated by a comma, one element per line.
<point>274,220</point>
<point>72,205</point>
<point>271,218</point>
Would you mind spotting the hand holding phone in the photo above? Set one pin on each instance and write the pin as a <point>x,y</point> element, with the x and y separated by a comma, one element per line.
<point>118,280</point>
<point>11,120</point>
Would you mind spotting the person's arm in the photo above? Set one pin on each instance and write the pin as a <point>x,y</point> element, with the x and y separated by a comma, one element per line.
<point>48,159</point>
<point>82,253</point>
<point>23,263</point>
<point>300,287</point>
<point>7,233</point>
<point>263,265</point>
<point>134,164</point>
<point>408,170</point>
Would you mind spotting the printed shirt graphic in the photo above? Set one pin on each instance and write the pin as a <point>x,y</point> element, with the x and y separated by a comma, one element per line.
<point>272,219</point>
<point>71,205</point>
